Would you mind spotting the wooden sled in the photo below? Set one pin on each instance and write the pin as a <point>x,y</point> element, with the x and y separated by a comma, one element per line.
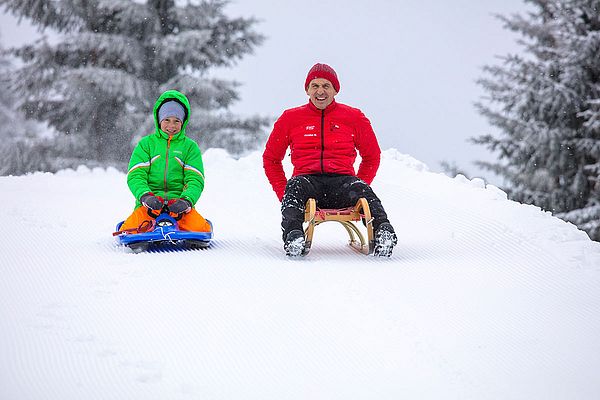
<point>348,217</point>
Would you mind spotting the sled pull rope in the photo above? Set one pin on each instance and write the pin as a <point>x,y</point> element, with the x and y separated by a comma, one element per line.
<point>167,235</point>
<point>145,226</point>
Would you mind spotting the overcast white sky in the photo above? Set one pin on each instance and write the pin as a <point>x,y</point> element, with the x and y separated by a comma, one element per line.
<point>410,65</point>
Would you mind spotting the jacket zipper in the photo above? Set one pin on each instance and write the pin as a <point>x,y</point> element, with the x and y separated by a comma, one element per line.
<point>167,168</point>
<point>322,139</point>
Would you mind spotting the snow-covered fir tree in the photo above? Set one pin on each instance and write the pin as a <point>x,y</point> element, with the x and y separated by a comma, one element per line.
<point>99,81</point>
<point>23,149</point>
<point>546,105</point>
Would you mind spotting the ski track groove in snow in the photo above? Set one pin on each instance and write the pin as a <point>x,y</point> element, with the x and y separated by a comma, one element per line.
<point>482,299</point>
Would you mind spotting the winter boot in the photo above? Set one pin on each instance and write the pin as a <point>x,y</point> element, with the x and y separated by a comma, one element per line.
<point>294,243</point>
<point>385,240</point>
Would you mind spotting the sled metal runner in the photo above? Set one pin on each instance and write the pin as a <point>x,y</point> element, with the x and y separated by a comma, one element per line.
<point>348,217</point>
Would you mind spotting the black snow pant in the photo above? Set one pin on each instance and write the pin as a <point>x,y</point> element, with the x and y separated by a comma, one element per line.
<point>329,191</point>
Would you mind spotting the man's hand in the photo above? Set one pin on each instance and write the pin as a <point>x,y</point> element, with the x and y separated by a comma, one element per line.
<point>152,202</point>
<point>180,206</point>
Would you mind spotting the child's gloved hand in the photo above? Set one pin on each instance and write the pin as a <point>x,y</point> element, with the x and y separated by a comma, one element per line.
<point>152,202</point>
<point>180,206</point>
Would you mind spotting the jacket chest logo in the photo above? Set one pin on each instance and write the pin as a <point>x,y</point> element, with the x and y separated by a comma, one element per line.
<point>310,131</point>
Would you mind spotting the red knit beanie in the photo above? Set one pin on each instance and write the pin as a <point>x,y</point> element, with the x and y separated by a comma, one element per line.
<point>322,71</point>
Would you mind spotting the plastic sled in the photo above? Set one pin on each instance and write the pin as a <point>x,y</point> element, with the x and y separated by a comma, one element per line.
<point>348,217</point>
<point>164,234</point>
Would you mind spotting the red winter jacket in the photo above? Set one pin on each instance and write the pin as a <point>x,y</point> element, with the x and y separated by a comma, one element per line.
<point>321,141</point>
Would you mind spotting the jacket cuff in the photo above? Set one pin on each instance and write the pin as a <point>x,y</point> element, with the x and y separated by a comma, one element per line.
<point>186,198</point>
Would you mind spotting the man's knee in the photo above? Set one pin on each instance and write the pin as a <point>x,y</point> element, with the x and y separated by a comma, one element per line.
<point>297,191</point>
<point>298,184</point>
<point>357,188</point>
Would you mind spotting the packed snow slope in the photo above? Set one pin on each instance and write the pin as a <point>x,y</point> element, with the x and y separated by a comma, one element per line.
<point>483,298</point>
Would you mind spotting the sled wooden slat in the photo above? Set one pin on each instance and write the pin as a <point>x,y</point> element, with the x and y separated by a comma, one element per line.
<point>348,217</point>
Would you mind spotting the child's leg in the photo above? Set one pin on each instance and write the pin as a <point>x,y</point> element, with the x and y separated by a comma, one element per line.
<point>194,222</point>
<point>137,217</point>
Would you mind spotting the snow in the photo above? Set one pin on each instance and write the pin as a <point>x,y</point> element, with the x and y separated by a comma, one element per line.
<point>483,298</point>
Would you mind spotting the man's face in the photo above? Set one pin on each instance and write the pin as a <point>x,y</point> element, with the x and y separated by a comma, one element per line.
<point>171,125</point>
<point>321,92</point>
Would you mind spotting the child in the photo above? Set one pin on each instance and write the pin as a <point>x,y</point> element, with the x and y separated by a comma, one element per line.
<point>166,168</point>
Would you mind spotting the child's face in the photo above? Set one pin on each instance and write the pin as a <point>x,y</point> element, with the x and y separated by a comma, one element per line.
<point>171,125</point>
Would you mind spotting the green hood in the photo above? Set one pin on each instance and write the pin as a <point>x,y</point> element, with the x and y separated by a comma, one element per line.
<point>168,96</point>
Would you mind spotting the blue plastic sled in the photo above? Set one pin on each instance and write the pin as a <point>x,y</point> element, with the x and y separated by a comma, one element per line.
<point>165,236</point>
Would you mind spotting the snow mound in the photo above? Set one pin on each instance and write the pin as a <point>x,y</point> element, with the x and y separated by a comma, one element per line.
<point>483,297</point>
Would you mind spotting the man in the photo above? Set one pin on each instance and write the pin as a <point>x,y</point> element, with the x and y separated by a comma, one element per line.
<point>324,136</point>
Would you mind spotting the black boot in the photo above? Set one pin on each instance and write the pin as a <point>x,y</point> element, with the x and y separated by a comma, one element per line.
<point>385,240</point>
<point>294,243</point>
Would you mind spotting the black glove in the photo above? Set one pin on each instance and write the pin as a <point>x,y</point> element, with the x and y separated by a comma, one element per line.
<point>152,202</point>
<point>180,206</point>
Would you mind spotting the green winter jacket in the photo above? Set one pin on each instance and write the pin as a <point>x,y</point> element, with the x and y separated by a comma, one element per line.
<point>167,167</point>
